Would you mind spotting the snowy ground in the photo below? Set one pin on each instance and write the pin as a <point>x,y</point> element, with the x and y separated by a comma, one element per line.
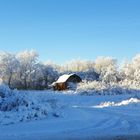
<point>80,117</point>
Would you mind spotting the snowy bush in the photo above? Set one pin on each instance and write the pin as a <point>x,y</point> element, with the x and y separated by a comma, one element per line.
<point>13,102</point>
<point>102,88</point>
<point>95,85</point>
<point>4,91</point>
<point>16,106</point>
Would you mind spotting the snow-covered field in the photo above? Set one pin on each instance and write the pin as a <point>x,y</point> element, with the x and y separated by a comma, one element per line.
<point>72,116</point>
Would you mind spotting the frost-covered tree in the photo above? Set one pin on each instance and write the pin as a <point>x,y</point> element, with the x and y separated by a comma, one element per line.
<point>52,64</point>
<point>136,67</point>
<point>84,68</point>
<point>43,76</point>
<point>127,71</point>
<point>131,72</point>
<point>27,60</point>
<point>78,65</point>
<point>107,68</point>
<point>50,73</point>
<point>8,67</point>
<point>102,63</point>
<point>111,75</point>
<point>23,71</point>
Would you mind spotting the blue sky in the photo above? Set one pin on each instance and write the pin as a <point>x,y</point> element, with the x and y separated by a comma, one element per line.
<point>62,30</point>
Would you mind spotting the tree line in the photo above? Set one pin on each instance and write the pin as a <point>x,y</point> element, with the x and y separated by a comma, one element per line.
<point>24,70</point>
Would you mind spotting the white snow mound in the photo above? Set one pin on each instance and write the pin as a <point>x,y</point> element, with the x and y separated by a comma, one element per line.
<point>122,103</point>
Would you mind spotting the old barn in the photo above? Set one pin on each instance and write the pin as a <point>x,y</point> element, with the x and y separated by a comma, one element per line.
<point>66,81</point>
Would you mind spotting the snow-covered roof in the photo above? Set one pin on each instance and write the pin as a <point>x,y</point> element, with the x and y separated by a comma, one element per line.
<point>63,78</point>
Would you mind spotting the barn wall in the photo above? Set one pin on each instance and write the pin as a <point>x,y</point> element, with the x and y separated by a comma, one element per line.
<point>60,86</point>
